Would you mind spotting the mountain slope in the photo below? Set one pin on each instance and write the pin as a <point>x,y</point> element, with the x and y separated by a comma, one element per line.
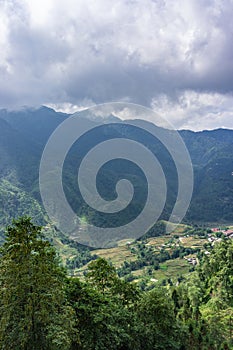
<point>23,135</point>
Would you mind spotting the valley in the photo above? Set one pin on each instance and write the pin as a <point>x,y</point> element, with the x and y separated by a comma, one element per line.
<point>23,135</point>
<point>160,260</point>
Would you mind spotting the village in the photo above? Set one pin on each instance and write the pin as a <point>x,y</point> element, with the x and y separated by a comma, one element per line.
<point>215,236</point>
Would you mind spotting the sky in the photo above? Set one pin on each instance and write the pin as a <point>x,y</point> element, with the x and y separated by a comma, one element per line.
<point>175,57</point>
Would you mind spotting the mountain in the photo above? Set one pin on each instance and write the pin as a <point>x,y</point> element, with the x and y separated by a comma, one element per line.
<point>212,157</point>
<point>24,134</point>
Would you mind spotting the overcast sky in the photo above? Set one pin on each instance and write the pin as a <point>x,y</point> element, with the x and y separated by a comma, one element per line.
<point>175,56</point>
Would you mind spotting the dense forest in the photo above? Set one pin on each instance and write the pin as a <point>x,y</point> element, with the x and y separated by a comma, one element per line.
<point>24,134</point>
<point>41,307</point>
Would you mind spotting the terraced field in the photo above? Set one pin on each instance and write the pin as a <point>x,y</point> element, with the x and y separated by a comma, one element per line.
<point>173,268</point>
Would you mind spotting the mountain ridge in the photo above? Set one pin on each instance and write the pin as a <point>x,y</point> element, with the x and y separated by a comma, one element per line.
<point>24,133</point>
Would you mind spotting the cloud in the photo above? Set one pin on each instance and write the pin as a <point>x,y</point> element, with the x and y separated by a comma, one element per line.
<point>196,111</point>
<point>69,52</point>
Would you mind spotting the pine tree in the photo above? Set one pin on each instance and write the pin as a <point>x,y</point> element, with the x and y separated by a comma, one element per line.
<point>33,312</point>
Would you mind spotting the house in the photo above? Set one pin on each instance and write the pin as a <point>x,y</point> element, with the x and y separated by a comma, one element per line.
<point>228,232</point>
<point>215,229</point>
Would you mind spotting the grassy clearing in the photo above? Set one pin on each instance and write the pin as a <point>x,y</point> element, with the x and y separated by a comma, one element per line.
<point>172,269</point>
<point>193,242</point>
<point>158,241</point>
<point>116,255</point>
<point>140,273</point>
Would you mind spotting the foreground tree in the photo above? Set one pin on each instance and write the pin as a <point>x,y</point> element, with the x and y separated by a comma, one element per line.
<point>216,272</point>
<point>204,303</point>
<point>33,312</point>
<point>105,308</point>
<point>159,328</point>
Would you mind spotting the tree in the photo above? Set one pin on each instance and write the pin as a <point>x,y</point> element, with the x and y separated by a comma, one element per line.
<point>159,328</point>
<point>205,304</point>
<point>105,308</point>
<point>105,322</point>
<point>216,271</point>
<point>33,311</point>
<point>101,274</point>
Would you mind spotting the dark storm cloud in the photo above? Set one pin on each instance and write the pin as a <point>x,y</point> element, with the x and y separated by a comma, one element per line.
<point>164,54</point>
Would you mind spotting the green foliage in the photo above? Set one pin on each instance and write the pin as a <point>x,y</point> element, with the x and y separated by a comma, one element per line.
<point>14,201</point>
<point>217,274</point>
<point>205,302</point>
<point>81,259</point>
<point>33,314</point>
<point>113,314</point>
<point>101,274</point>
<point>217,271</point>
<point>104,323</point>
<point>42,308</point>
<point>159,329</point>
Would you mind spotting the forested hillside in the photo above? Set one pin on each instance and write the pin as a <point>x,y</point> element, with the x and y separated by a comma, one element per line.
<point>23,135</point>
<point>44,309</point>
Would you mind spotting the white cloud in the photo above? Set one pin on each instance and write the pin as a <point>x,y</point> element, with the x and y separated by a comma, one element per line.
<point>69,52</point>
<point>196,111</point>
<point>70,108</point>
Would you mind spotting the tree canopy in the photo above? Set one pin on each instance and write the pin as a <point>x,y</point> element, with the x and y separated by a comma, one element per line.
<point>41,307</point>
